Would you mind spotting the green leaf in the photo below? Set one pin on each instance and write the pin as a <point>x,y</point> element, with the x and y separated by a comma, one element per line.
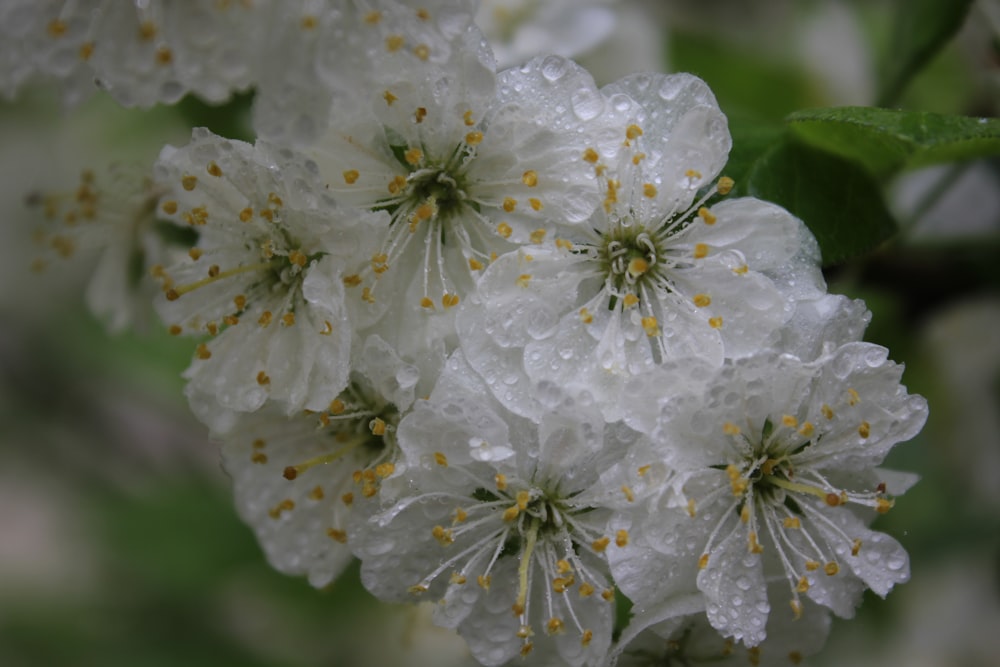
<point>886,141</point>
<point>751,140</point>
<point>922,27</point>
<point>837,199</point>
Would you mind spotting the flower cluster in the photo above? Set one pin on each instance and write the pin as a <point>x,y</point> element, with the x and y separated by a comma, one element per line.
<point>508,338</point>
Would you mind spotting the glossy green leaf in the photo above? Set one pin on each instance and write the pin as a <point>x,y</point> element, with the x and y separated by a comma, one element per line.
<point>837,199</point>
<point>921,28</point>
<point>885,141</point>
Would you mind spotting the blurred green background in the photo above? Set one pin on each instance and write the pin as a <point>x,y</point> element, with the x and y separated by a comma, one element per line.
<point>118,541</point>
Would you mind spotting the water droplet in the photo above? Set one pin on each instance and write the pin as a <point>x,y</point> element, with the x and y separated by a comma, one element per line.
<point>743,583</point>
<point>587,103</point>
<point>554,68</point>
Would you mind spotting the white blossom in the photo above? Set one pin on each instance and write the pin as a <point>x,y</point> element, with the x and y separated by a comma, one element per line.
<point>503,522</point>
<point>775,470</point>
<point>265,279</point>
<point>655,274</point>
<point>296,479</point>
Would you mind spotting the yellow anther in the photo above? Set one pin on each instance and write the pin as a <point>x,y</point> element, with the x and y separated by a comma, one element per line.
<point>526,649</point>
<point>790,421</point>
<point>413,156</point>
<point>796,608</point>
<point>417,590</point>
<point>263,379</point>
<point>629,495</point>
<point>373,17</point>
<point>586,590</point>
<point>389,97</point>
<point>422,51</point>
<point>700,250</point>
<point>442,535</point>
<point>563,566</point>
<point>807,429</point>
<point>802,586</point>
<point>852,397</point>
<point>831,569</point>
<point>725,185</point>
<point>377,427</point>
<point>608,594</point>
<point>523,498</point>
<point>169,207</point>
<point>621,537</point>
<point>601,544</point>
<point>189,182</point>
<point>537,236</point>
<point>194,253</point>
<point>585,316</point>
<point>562,584</point>
<point>259,458</point>
<point>827,411</point>
<point>509,204</point>
<point>213,169</point>
<point>703,562</point>
<point>812,565</point>
<point>753,545</point>
<point>460,515</point>
<point>164,56</point>
<point>336,407</point>
<point>212,328</point>
<point>484,581</point>
<point>57,28</point>
<point>791,522</point>
<point>649,190</point>
<point>347,498</point>
<point>397,184</point>
<point>441,459</point>
<point>327,328</point>
<point>637,266</point>
<point>457,578</point>
<point>856,546</point>
<point>633,131</point>
<point>504,230</point>
<point>651,326</point>
<point>523,280</point>
<point>741,270</point>
<point>535,203</point>
<point>426,302</point>
<point>832,499</point>
<point>351,176</point>
<point>864,430</point>
<point>883,505</point>
<point>475,264</point>
<point>419,114</point>
<point>147,31</point>
<point>449,300</point>
<point>386,469</point>
<point>554,626</point>
<point>86,50</point>
<point>202,352</point>
<point>309,22</point>
<point>286,505</point>
<point>693,174</point>
<point>524,632</point>
<point>637,158</point>
<point>691,507</point>
<point>715,322</point>
<point>175,330</point>
<point>706,216</point>
<point>745,513</point>
<point>337,535</point>
<point>591,156</point>
<point>530,178</point>
<point>586,637</point>
<point>474,138</point>
<point>265,318</point>
<point>394,43</point>
<point>702,300</point>
<point>729,428</point>
<point>213,271</point>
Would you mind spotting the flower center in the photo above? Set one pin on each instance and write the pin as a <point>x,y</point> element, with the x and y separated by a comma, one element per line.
<point>630,258</point>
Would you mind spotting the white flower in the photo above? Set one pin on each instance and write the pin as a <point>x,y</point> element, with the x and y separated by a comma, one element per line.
<point>467,163</point>
<point>142,53</point>
<point>776,466</point>
<point>265,278</point>
<point>296,479</point>
<point>691,640</point>
<point>655,274</point>
<point>509,537</point>
<point>110,213</point>
<point>520,30</point>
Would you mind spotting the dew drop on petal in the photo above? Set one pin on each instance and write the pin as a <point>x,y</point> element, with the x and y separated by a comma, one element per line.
<point>554,68</point>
